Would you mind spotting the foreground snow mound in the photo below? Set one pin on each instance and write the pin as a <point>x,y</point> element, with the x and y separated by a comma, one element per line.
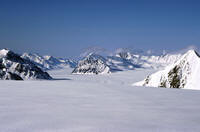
<point>48,62</point>
<point>92,64</point>
<point>13,67</point>
<point>185,73</point>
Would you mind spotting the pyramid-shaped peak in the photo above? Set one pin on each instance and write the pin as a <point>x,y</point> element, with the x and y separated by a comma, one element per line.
<point>92,64</point>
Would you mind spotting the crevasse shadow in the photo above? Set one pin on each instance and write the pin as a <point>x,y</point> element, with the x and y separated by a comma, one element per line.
<point>60,79</point>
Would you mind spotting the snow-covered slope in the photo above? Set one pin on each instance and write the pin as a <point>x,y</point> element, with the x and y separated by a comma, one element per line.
<point>92,64</point>
<point>185,73</point>
<point>13,67</point>
<point>48,62</point>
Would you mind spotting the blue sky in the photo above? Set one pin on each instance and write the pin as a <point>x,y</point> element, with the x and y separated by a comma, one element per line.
<point>65,28</point>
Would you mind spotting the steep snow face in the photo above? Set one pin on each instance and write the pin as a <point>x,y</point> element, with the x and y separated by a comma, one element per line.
<point>13,67</point>
<point>48,62</point>
<point>185,73</point>
<point>92,64</point>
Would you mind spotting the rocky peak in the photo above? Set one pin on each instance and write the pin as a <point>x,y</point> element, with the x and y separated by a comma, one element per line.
<point>92,64</point>
<point>12,66</point>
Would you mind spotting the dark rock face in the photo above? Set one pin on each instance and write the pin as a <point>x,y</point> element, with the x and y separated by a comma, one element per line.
<point>13,67</point>
<point>174,77</point>
<point>9,76</point>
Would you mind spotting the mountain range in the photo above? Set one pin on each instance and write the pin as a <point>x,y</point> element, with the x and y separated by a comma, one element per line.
<point>32,66</point>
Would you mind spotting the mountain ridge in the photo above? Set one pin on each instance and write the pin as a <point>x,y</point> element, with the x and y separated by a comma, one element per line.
<point>14,67</point>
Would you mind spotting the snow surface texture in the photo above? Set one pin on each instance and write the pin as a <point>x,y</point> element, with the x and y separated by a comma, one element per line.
<point>92,64</point>
<point>104,103</point>
<point>49,62</point>
<point>185,73</point>
<point>13,67</point>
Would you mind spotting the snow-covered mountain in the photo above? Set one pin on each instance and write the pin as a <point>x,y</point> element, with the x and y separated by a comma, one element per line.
<point>92,64</point>
<point>48,62</point>
<point>14,67</point>
<point>130,61</point>
<point>185,73</point>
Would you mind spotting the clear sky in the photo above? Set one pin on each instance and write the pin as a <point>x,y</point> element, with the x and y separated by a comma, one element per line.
<point>64,28</point>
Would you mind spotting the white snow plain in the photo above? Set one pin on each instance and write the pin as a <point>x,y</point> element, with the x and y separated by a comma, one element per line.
<point>96,103</point>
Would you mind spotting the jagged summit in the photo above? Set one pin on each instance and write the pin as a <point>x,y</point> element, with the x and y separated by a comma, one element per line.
<point>185,73</point>
<point>92,64</point>
<point>13,67</point>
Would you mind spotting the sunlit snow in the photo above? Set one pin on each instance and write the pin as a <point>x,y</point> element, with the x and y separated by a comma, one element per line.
<point>96,103</point>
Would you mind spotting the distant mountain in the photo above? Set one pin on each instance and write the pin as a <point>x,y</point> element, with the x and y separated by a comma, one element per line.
<point>122,61</point>
<point>185,73</point>
<point>129,61</point>
<point>14,67</point>
<point>156,62</point>
<point>92,64</point>
<point>48,62</point>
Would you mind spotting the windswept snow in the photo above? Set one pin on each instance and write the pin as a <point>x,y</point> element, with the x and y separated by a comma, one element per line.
<point>89,103</point>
